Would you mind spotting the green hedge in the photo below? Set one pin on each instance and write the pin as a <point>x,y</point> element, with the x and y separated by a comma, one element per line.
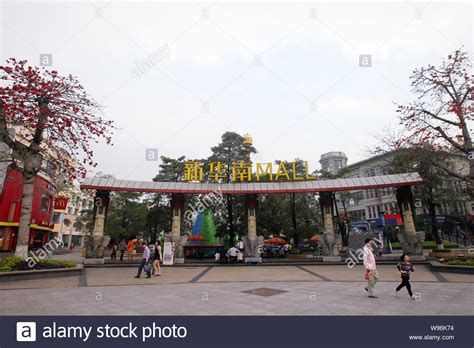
<point>7,264</point>
<point>15,263</point>
<point>461,262</point>
<point>427,245</point>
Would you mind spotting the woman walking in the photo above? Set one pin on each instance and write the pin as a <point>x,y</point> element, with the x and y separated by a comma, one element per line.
<point>157,257</point>
<point>405,267</point>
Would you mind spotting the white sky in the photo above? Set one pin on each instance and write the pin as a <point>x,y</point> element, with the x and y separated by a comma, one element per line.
<point>309,95</point>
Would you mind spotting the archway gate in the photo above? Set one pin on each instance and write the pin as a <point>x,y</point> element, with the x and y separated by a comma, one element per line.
<point>326,188</point>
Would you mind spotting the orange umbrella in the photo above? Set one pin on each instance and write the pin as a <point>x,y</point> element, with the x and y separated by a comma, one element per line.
<point>314,239</point>
<point>276,241</point>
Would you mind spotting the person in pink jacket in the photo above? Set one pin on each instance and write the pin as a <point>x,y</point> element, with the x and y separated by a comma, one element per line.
<point>371,273</point>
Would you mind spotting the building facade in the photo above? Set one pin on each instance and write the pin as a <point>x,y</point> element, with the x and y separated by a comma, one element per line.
<point>332,162</point>
<point>11,188</point>
<point>70,205</point>
<point>368,205</point>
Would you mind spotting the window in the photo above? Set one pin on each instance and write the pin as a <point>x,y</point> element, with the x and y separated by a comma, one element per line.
<point>57,217</point>
<point>45,202</point>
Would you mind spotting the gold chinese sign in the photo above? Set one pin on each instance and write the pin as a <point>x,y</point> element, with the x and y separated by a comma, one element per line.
<point>242,172</point>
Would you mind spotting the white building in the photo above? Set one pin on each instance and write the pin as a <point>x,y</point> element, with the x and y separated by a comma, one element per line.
<point>332,162</point>
<point>65,220</point>
<point>369,204</point>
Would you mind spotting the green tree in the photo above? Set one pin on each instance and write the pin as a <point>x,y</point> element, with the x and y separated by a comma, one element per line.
<point>171,170</point>
<point>230,150</point>
<point>427,161</point>
<point>300,205</point>
<point>127,215</point>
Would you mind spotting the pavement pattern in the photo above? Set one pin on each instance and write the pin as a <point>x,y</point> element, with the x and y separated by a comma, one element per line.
<point>239,290</point>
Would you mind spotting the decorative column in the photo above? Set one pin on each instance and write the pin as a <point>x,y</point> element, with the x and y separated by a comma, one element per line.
<point>411,240</point>
<point>327,210</point>
<point>331,242</point>
<point>96,242</point>
<point>252,243</point>
<point>177,211</point>
<point>251,206</point>
<point>404,197</point>
<point>177,208</point>
<point>101,205</point>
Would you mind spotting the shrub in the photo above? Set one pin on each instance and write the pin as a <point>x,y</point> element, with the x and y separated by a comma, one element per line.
<point>9,263</point>
<point>59,263</point>
<point>427,245</point>
<point>15,263</point>
<point>461,262</point>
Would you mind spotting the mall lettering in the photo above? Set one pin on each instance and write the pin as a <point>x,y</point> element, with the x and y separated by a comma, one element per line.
<point>242,171</point>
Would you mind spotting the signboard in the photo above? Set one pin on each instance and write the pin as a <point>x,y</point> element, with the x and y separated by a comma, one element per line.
<point>243,171</point>
<point>60,203</point>
<point>393,219</point>
<point>168,254</point>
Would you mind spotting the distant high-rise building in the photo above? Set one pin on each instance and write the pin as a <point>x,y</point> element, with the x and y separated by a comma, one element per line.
<point>332,162</point>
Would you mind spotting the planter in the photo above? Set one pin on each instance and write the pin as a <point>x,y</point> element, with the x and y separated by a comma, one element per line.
<point>41,274</point>
<point>440,254</point>
<point>441,267</point>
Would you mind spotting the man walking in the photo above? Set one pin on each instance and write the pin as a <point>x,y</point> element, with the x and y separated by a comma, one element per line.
<point>146,257</point>
<point>122,248</point>
<point>371,273</point>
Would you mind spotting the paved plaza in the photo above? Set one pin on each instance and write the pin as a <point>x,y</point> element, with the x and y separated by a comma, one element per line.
<point>239,290</point>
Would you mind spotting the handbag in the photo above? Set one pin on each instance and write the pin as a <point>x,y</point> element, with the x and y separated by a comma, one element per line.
<point>147,268</point>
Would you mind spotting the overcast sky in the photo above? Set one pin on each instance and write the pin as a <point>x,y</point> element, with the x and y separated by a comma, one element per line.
<point>286,73</point>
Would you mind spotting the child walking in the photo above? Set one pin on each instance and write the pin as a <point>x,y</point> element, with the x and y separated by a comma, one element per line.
<point>405,267</point>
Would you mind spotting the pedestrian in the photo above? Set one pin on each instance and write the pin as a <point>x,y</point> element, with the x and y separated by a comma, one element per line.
<point>157,259</point>
<point>113,255</point>
<point>144,264</point>
<point>405,267</point>
<point>240,245</point>
<point>371,273</point>
<point>122,248</point>
<point>130,248</point>
<point>232,254</point>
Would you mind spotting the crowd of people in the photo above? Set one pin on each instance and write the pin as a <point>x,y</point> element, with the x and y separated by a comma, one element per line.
<point>152,257</point>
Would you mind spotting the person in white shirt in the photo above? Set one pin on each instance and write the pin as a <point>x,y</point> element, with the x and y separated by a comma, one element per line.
<point>232,254</point>
<point>371,273</point>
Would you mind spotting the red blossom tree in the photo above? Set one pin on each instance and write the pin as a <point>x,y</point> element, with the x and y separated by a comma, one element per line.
<point>442,113</point>
<point>47,120</point>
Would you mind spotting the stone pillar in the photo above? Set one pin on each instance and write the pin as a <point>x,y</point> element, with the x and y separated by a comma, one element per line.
<point>327,209</point>
<point>411,240</point>
<point>177,211</point>
<point>251,206</point>
<point>331,241</point>
<point>405,203</point>
<point>252,242</point>
<point>177,208</point>
<point>95,244</point>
